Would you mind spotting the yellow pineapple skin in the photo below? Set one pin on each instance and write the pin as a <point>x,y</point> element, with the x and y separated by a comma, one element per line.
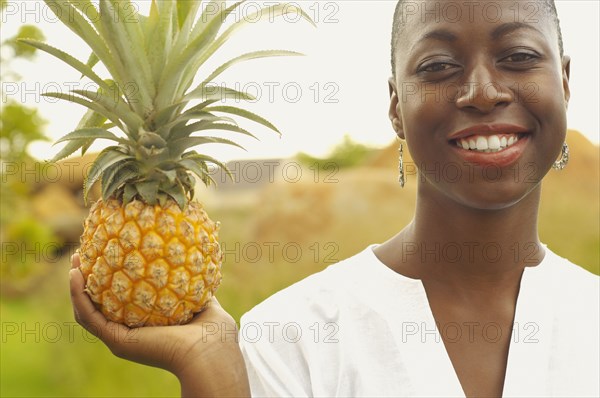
<point>147,265</point>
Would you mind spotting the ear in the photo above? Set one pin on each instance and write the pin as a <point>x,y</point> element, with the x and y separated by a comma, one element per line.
<point>566,73</point>
<point>393,110</point>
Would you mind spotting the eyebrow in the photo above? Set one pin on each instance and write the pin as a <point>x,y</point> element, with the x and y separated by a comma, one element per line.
<point>510,27</point>
<point>502,30</point>
<point>440,34</point>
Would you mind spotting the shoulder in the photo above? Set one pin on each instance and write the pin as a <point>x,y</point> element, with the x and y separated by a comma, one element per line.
<point>286,339</point>
<point>569,276</point>
<point>570,286</point>
<point>571,296</point>
<point>317,296</point>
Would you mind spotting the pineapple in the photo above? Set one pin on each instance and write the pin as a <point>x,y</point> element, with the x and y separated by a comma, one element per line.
<point>149,253</point>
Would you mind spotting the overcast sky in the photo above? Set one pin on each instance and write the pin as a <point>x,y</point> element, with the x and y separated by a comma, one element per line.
<point>339,87</point>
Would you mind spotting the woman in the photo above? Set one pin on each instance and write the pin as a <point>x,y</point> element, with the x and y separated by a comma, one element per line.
<point>465,300</point>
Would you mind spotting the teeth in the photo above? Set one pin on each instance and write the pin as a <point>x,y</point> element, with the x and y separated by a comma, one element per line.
<point>487,144</point>
<point>482,143</point>
<point>494,142</point>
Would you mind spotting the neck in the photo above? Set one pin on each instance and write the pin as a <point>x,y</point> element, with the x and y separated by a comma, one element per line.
<point>466,249</point>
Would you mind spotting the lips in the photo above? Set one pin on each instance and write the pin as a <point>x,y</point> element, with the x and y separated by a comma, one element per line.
<point>490,144</point>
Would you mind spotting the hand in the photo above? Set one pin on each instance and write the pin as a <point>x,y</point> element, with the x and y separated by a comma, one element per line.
<point>203,354</point>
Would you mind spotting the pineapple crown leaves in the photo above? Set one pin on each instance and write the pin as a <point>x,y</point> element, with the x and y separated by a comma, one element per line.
<point>153,61</point>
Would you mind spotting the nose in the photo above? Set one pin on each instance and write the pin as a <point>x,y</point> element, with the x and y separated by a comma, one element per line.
<point>482,91</point>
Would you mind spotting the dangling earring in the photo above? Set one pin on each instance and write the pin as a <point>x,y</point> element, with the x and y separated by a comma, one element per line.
<point>564,158</point>
<point>401,179</point>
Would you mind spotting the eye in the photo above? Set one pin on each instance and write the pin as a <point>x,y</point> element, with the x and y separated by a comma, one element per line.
<point>521,57</point>
<point>435,67</point>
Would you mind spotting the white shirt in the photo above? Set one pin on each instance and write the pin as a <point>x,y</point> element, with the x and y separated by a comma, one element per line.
<point>358,328</point>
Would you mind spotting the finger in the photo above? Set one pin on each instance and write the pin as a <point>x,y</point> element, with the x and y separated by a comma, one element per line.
<point>215,302</point>
<point>86,313</point>
<point>213,307</point>
<point>79,298</point>
<point>213,312</point>
<point>75,260</point>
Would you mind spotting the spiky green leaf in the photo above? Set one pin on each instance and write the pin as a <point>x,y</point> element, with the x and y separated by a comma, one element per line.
<point>166,115</point>
<point>179,197</point>
<point>121,173</point>
<point>180,145</point>
<point>159,37</point>
<point>92,60</point>
<point>201,106</point>
<point>199,115</point>
<point>176,191</point>
<point>171,77</point>
<point>123,37</point>
<point>92,119</point>
<point>247,57</point>
<point>211,10</point>
<point>88,104</point>
<point>198,167</point>
<point>170,174</point>
<point>129,193</point>
<point>207,159</point>
<point>69,15</point>
<point>219,93</point>
<point>105,159</point>
<point>84,69</point>
<point>148,191</point>
<point>207,125</point>
<point>112,104</point>
<point>87,9</point>
<point>200,57</point>
<point>245,114</point>
<point>186,11</point>
<point>90,133</point>
<point>69,149</point>
<point>178,128</point>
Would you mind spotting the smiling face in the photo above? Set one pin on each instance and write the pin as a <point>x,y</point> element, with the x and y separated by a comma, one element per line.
<point>480,95</point>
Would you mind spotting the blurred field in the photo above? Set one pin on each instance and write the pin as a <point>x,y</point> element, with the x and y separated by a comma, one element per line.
<point>272,236</point>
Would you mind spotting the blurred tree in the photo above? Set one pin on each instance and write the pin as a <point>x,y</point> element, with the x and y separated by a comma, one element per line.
<point>17,49</point>
<point>346,154</point>
<point>20,231</point>
<point>19,126</point>
<point>25,32</point>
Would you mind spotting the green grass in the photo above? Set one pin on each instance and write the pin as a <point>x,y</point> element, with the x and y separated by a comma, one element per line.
<point>45,353</point>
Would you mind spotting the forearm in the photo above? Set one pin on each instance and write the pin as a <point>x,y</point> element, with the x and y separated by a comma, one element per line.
<point>223,375</point>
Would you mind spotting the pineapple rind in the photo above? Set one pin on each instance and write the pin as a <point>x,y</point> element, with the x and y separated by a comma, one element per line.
<point>147,265</point>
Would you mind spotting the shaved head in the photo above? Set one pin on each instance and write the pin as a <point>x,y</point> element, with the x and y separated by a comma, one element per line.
<point>547,7</point>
